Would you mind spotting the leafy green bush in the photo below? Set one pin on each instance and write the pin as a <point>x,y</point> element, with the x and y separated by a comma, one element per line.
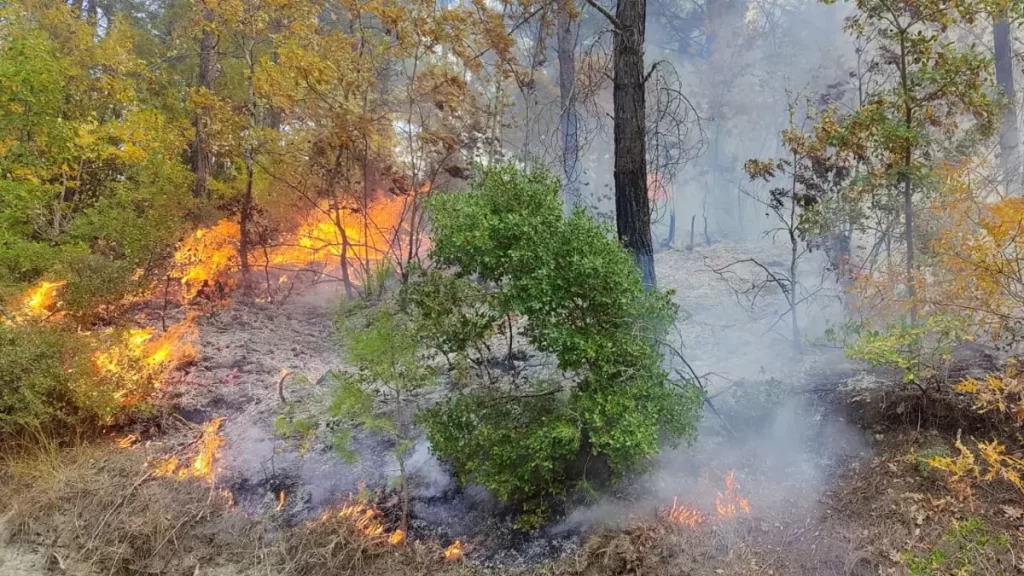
<point>919,351</point>
<point>506,251</point>
<point>43,377</point>
<point>386,350</point>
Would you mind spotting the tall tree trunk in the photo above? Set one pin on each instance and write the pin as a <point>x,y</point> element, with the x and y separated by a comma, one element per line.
<point>249,156</point>
<point>905,179</point>
<point>632,208</point>
<point>201,157</point>
<point>568,122</point>
<point>1009,137</point>
<point>93,12</point>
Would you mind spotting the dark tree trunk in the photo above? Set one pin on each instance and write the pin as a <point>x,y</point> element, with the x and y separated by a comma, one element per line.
<point>671,229</point>
<point>77,5</point>
<point>568,121</point>
<point>93,12</point>
<point>245,221</point>
<point>201,157</point>
<point>1009,137</point>
<point>632,208</point>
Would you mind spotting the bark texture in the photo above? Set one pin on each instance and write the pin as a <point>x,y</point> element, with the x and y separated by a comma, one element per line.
<point>201,156</point>
<point>632,208</point>
<point>568,120</point>
<point>1009,136</point>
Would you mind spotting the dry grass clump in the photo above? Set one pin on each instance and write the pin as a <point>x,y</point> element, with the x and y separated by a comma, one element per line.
<point>96,509</point>
<point>332,545</point>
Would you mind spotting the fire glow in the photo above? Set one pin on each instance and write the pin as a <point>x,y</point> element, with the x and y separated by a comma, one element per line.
<point>324,238</point>
<point>728,504</point>
<point>204,461</point>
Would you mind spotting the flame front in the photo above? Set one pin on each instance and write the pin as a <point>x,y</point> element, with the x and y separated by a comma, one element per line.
<point>281,499</point>
<point>319,242</point>
<point>453,553</point>
<point>684,515</point>
<point>203,465</point>
<point>727,504</point>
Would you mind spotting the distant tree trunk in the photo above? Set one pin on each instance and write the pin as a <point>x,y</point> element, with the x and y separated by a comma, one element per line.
<point>1009,137</point>
<point>568,121</point>
<point>905,178</point>
<point>632,207</point>
<point>201,157</point>
<point>671,228</point>
<point>93,12</point>
<point>249,157</point>
<point>693,228</point>
<point>77,6</point>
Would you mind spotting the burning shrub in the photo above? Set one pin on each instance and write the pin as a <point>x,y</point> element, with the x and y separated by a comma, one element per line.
<point>506,251</point>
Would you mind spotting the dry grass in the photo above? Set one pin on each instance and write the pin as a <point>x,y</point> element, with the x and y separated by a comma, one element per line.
<point>96,509</point>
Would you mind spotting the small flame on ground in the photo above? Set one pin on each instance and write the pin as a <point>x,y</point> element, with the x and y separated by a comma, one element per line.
<point>127,441</point>
<point>281,498</point>
<point>684,515</point>
<point>205,456</point>
<point>210,254</point>
<point>39,301</point>
<point>368,522</point>
<point>453,553</point>
<point>727,504</point>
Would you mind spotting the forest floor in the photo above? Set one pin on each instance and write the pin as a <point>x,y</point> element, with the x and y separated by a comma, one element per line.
<point>828,455</point>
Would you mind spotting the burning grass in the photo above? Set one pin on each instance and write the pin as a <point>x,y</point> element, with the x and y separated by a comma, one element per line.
<point>321,240</point>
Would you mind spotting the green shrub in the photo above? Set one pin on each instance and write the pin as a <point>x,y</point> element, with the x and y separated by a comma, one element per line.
<point>918,351</point>
<point>42,372</point>
<point>506,251</point>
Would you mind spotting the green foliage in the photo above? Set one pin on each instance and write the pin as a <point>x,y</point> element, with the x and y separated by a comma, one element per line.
<point>48,382</point>
<point>292,427</point>
<point>391,368</point>
<point>918,351</point>
<point>505,250</point>
<point>967,548</point>
<point>92,187</point>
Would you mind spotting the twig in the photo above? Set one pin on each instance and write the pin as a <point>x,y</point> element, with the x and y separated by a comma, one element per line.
<point>120,502</point>
<point>280,386</point>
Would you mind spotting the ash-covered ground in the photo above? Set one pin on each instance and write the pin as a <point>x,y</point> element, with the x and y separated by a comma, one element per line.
<point>781,446</point>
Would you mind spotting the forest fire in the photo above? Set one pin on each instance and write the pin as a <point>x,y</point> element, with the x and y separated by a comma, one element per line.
<point>203,464</point>
<point>322,240</point>
<point>728,504</point>
<point>368,522</point>
<point>282,498</point>
<point>453,553</point>
<point>40,299</point>
<point>684,515</point>
<point>141,358</point>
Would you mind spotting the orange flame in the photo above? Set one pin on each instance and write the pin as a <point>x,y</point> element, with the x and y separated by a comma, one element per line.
<point>319,241</point>
<point>684,515</point>
<point>39,301</point>
<point>727,504</point>
<point>280,501</point>
<point>453,553</point>
<point>140,359</point>
<point>205,456</point>
<point>397,538</point>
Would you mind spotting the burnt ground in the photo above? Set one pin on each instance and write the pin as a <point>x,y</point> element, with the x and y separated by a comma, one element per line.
<point>826,453</point>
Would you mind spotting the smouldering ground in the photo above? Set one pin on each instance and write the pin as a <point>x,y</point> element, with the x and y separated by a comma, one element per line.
<point>821,453</point>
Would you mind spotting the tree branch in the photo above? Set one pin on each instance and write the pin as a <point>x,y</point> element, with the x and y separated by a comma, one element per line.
<point>611,17</point>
